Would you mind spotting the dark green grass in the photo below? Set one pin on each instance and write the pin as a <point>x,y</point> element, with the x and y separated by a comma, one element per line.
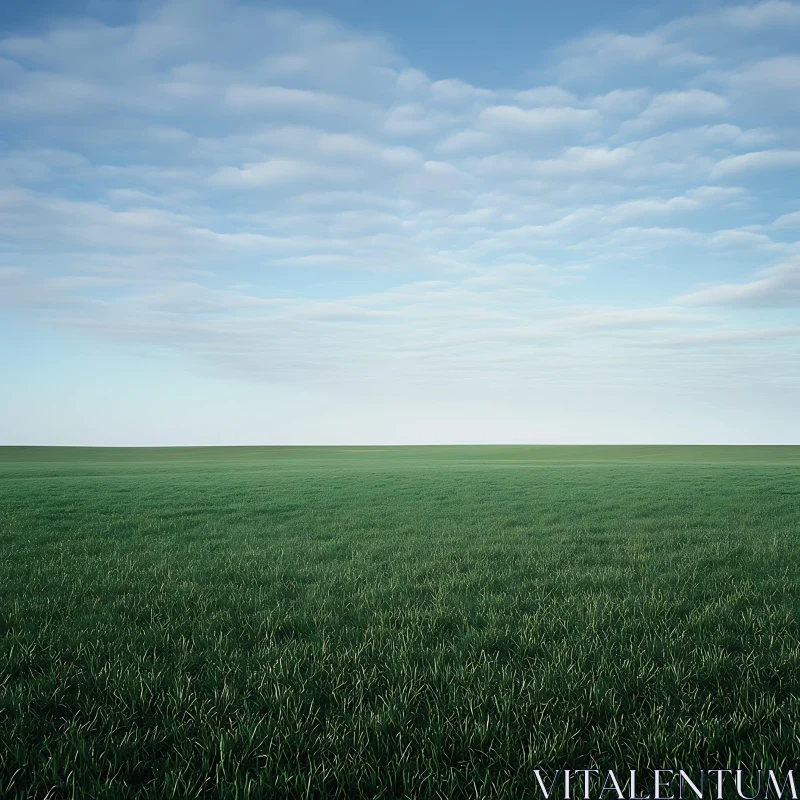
<point>428,622</point>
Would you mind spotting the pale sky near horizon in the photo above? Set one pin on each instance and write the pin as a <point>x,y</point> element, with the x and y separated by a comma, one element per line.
<point>361,222</point>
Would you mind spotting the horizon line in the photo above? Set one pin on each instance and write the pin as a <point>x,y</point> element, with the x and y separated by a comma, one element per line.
<point>386,445</point>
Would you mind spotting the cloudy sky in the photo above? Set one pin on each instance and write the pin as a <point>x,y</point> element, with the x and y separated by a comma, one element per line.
<point>362,222</point>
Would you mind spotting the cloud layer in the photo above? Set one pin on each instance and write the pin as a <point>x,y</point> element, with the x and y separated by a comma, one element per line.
<point>272,194</point>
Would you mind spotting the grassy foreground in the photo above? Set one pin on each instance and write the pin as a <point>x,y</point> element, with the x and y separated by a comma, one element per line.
<point>366,622</point>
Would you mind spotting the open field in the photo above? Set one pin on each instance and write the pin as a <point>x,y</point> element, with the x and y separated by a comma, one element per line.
<point>436,622</point>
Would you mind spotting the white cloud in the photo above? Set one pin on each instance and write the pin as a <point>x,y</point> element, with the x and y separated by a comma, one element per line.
<point>600,55</point>
<point>768,88</point>
<point>743,238</point>
<point>780,74</point>
<point>726,195</point>
<point>788,220</point>
<point>452,91</point>
<point>673,108</point>
<point>515,121</point>
<point>778,287</point>
<point>584,161</point>
<point>413,80</point>
<point>773,13</point>
<point>414,119</point>
<point>545,96</point>
<point>755,162</point>
<point>338,148</point>
<point>624,102</point>
<point>281,171</point>
<point>276,99</point>
<point>465,141</point>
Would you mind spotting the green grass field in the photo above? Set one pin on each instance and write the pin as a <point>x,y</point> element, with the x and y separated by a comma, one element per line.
<point>373,622</point>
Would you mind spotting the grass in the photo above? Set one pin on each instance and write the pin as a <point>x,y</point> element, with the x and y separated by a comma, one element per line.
<point>424,622</point>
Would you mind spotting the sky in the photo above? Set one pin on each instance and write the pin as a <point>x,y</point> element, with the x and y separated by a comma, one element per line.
<point>353,222</point>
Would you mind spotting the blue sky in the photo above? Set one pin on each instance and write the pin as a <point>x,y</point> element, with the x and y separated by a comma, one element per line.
<point>362,222</point>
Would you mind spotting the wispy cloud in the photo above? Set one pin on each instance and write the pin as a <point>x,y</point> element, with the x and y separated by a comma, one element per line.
<point>778,287</point>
